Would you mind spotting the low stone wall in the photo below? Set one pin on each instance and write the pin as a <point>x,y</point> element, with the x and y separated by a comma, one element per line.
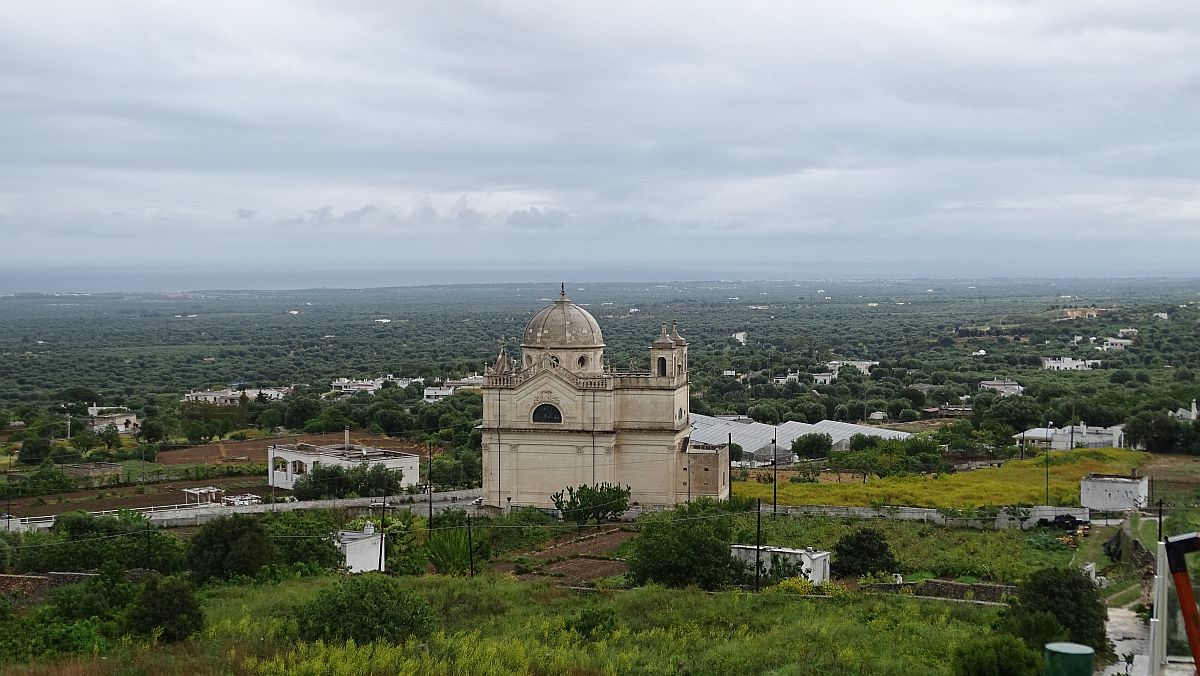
<point>943,589</point>
<point>24,589</point>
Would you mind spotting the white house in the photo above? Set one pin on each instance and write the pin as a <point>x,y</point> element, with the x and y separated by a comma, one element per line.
<point>823,378</point>
<point>1109,492</point>
<point>1186,413</point>
<point>362,550</point>
<point>1004,388</point>
<point>341,386</point>
<point>791,377</point>
<point>1068,364</point>
<point>433,394</point>
<point>813,564</point>
<point>231,397</point>
<point>288,462</point>
<point>1073,436</point>
<point>863,366</point>
<point>124,420</point>
<point>1111,344</point>
<point>1127,333</point>
<point>1161,315</point>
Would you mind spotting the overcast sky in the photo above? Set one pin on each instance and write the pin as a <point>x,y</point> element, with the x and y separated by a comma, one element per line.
<point>746,139</point>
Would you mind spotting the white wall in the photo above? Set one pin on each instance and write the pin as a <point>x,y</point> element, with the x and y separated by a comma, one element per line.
<point>1110,495</point>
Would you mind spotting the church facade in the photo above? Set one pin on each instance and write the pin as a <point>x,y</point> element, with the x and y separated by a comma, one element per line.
<point>559,416</point>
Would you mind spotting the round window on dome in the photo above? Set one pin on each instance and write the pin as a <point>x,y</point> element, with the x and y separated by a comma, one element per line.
<point>583,361</point>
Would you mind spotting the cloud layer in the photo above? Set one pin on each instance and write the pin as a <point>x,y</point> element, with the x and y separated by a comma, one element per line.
<point>1003,137</point>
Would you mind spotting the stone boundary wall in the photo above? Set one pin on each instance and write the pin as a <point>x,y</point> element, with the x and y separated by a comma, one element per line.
<point>1002,521</point>
<point>26,589</point>
<point>944,589</point>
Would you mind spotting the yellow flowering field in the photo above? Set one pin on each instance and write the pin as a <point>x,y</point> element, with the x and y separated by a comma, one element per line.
<point>1016,482</point>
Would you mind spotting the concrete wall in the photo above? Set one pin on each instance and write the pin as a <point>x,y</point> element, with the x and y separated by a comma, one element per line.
<point>942,589</point>
<point>1118,495</point>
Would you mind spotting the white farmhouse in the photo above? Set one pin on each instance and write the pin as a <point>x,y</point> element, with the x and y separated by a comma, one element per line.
<point>1112,493</point>
<point>811,563</point>
<point>1068,364</point>
<point>1004,388</point>
<point>288,462</point>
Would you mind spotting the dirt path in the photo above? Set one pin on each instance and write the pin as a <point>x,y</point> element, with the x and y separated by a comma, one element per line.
<point>1128,634</point>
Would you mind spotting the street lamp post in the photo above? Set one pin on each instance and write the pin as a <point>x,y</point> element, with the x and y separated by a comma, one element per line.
<point>1049,445</point>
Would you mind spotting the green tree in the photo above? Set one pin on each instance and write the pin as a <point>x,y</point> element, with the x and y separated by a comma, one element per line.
<point>687,546</point>
<point>599,502</point>
<point>863,552</point>
<point>167,606</point>
<point>1072,598</point>
<point>34,451</point>
<point>812,445</point>
<point>151,431</point>
<point>85,440</point>
<point>364,608</point>
<point>110,437</point>
<point>229,546</point>
<point>1156,431</point>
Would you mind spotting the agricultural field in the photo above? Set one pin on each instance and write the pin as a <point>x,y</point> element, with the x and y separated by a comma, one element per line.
<point>498,625</point>
<point>1018,482</point>
<point>929,551</point>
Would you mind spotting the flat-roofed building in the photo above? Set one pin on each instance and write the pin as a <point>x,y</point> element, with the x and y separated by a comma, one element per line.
<point>288,462</point>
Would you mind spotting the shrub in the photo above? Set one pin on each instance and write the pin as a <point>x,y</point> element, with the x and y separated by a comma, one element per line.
<point>863,552</point>
<point>796,585</point>
<point>599,502</point>
<point>450,551</point>
<point>593,621</point>
<point>364,608</point>
<point>166,607</point>
<point>1071,597</point>
<point>688,546</point>
<point>230,546</point>
<point>999,655</point>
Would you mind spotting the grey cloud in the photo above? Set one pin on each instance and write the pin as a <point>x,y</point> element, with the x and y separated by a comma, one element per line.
<point>926,128</point>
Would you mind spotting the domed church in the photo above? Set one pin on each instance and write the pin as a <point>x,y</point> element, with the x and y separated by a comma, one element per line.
<point>559,416</point>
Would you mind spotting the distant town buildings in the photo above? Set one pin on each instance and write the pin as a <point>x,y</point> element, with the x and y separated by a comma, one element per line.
<point>347,386</point>
<point>1082,312</point>
<point>1069,364</point>
<point>232,397</point>
<point>1004,388</point>
<point>864,367</point>
<point>288,462</point>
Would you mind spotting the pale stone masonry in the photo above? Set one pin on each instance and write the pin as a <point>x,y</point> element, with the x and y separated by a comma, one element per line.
<point>559,416</point>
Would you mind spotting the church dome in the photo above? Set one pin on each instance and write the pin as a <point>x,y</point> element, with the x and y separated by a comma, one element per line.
<point>563,325</point>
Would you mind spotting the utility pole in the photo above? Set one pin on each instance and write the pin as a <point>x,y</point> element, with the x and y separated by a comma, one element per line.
<point>470,547</point>
<point>757,545</point>
<point>1049,445</point>
<point>68,425</point>
<point>1160,519</point>
<point>729,452</point>
<point>775,480</point>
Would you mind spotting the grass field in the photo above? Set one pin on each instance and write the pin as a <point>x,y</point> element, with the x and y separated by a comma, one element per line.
<point>498,625</point>
<point>924,550</point>
<point>1016,482</point>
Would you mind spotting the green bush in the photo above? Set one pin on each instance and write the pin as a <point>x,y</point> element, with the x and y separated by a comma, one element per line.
<point>166,607</point>
<point>684,547</point>
<point>1067,594</point>
<point>1000,655</point>
<point>863,552</point>
<point>228,547</point>
<point>364,608</point>
<point>593,622</point>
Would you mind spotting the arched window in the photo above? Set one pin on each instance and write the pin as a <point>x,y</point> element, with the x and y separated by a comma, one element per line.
<point>547,413</point>
<point>582,362</point>
<point>662,366</point>
<point>528,360</point>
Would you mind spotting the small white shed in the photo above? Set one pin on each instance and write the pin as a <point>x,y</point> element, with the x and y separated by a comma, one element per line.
<point>1114,493</point>
<point>363,550</point>
<point>813,564</point>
